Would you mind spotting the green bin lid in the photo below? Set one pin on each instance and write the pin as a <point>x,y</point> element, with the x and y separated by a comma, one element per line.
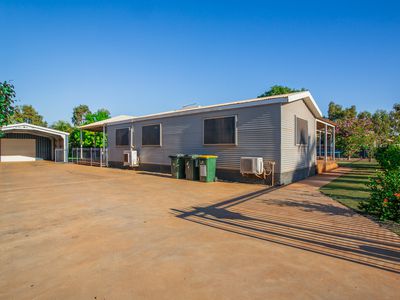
<point>207,156</point>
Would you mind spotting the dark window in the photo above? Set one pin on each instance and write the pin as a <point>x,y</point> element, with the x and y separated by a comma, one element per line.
<point>220,131</point>
<point>301,131</point>
<point>151,135</point>
<point>122,137</point>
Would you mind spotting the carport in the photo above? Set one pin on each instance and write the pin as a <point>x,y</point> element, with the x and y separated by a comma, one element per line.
<point>27,142</point>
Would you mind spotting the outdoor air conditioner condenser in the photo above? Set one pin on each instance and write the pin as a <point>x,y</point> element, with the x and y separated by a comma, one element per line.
<point>131,158</point>
<point>251,165</point>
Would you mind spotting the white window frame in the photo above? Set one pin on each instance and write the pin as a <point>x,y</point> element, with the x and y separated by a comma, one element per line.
<point>222,117</point>
<point>296,133</point>
<point>122,146</point>
<point>161,139</point>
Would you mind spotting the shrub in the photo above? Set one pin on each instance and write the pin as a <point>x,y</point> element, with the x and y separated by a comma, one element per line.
<point>384,200</point>
<point>388,157</point>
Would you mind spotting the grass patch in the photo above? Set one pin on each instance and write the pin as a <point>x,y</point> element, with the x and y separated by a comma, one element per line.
<point>350,189</point>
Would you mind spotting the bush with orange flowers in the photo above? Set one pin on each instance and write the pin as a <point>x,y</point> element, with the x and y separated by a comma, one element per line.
<point>384,189</point>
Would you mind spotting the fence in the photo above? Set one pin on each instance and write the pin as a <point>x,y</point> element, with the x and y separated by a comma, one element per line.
<point>89,156</point>
<point>60,154</point>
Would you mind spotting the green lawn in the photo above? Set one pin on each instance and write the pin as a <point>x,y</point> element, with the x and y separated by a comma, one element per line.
<point>350,189</point>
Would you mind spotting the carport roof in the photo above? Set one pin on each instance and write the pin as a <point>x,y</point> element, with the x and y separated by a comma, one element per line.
<point>26,127</point>
<point>98,126</point>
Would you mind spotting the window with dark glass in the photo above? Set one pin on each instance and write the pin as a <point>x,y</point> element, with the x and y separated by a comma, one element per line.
<point>122,137</point>
<point>220,131</point>
<point>301,131</point>
<point>151,135</point>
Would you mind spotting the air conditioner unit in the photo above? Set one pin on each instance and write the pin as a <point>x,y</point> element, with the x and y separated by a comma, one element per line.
<point>251,165</point>
<point>131,158</point>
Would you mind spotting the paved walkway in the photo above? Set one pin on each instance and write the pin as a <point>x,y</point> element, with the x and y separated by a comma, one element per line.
<point>299,216</point>
<point>75,232</point>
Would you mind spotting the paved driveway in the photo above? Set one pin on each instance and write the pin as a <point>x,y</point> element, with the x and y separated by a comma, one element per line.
<point>75,232</point>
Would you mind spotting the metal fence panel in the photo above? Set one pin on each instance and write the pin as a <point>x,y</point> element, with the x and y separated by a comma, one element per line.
<point>89,156</point>
<point>59,155</point>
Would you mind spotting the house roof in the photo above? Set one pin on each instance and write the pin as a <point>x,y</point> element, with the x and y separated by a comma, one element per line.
<point>286,98</point>
<point>26,127</point>
<point>324,120</point>
<point>98,126</point>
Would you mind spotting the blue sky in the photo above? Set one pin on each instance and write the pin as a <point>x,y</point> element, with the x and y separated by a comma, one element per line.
<point>140,57</point>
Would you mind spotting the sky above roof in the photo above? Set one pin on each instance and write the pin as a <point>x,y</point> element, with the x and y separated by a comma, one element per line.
<point>143,57</point>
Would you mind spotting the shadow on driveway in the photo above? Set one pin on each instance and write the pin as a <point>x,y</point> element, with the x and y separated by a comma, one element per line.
<point>320,226</point>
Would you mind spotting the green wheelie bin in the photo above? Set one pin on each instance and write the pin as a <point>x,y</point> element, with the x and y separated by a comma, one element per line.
<point>177,166</point>
<point>208,167</point>
<point>191,167</point>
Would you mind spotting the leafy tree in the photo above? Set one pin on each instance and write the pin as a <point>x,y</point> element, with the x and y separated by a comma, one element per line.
<point>99,115</point>
<point>79,114</point>
<point>7,99</point>
<point>395,122</point>
<point>336,112</point>
<point>28,114</point>
<point>89,139</point>
<point>354,134</point>
<point>280,90</point>
<point>62,126</point>
<point>381,126</point>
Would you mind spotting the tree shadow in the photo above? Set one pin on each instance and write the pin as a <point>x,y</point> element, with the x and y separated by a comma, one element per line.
<point>344,197</point>
<point>353,241</point>
<point>309,206</point>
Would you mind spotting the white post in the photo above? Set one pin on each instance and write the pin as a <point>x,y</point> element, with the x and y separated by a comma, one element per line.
<point>66,146</point>
<point>326,143</point>
<point>320,143</point>
<point>104,143</point>
<point>81,144</point>
<point>334,142</point>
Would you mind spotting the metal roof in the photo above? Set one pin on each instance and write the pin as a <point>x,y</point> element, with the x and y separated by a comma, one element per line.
<point>26,127</point>
<point>286,98</point>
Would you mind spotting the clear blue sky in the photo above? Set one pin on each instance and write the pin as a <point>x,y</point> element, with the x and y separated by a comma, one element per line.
<point>139,57</point>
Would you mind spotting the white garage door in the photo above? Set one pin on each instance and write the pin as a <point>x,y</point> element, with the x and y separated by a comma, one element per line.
<point>18,149</point>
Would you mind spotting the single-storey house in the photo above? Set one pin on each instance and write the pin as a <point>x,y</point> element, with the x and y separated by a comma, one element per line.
<point>284,129</point>
<point>27,142</point>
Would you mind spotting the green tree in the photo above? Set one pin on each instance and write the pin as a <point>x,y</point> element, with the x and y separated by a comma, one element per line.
<point>28,114</point>
<point>337,112</point>
<point>62,126</point>
<point>280,90</point>
<point>395,122</point>
<point>79,114</point>
<point>89,139</point>
<point>100,115</point>
<point>381,126</point>
<point>7,100</point>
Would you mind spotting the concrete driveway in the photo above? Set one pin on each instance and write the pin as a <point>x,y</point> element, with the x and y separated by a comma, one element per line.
<point>76,232</point>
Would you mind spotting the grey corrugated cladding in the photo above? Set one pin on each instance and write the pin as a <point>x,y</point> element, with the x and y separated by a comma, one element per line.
<point>257,135</point>
<point>266,131</point>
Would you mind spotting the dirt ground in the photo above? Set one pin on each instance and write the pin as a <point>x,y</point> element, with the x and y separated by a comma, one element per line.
<point>76,232</point>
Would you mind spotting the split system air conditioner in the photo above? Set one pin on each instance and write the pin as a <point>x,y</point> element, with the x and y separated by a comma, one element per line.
<point>251,165</point>
<point>131,158</point>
